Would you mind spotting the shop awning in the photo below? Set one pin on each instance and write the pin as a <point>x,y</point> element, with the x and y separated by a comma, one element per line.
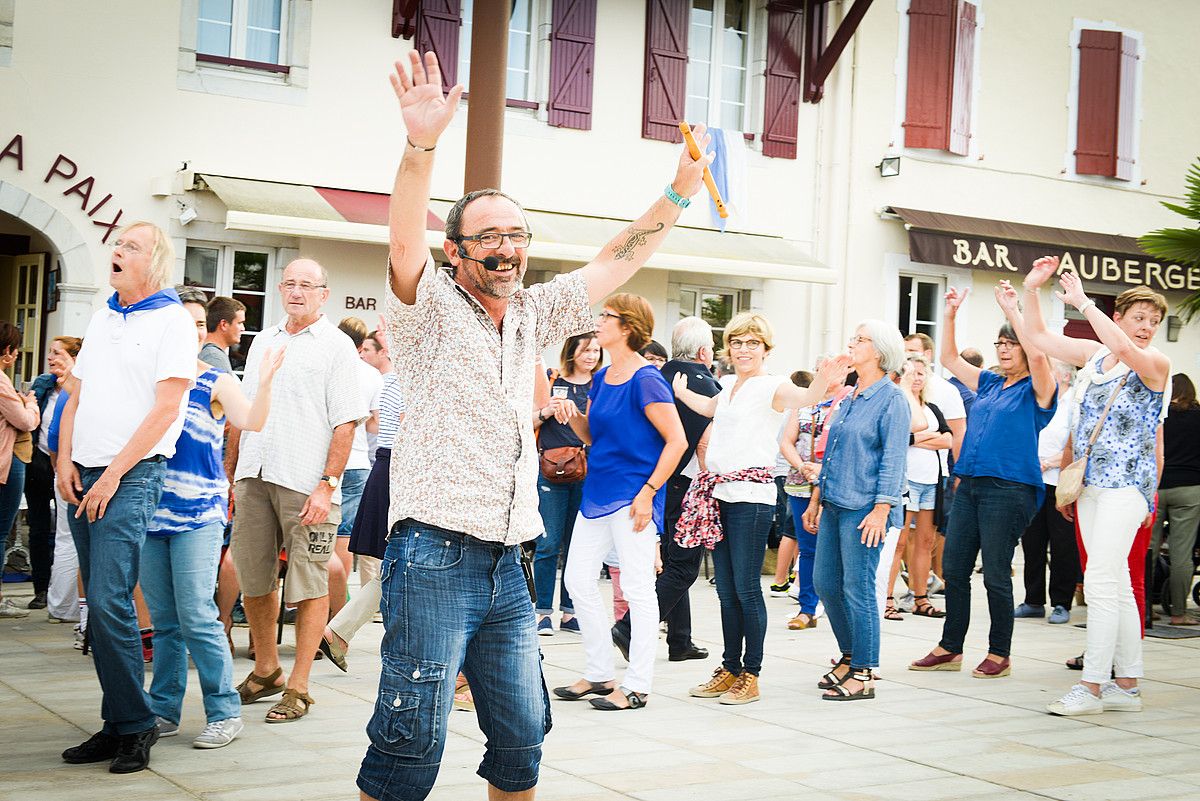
<point>1010,247</point>
<point>350,216</point>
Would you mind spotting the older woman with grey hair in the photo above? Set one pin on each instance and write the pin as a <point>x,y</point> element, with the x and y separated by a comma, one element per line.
<point>868,437</point>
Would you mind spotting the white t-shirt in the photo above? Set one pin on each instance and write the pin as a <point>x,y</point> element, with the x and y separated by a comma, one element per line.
<point>745,433</point>
<point>372,386</point>
<point>1053,438</point>
<point>122,360</point>
<point>945,396</point>
<point>43,434</point>
<point>922,462</point>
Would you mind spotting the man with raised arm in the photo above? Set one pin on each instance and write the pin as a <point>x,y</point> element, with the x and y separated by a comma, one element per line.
<point>463,475</point>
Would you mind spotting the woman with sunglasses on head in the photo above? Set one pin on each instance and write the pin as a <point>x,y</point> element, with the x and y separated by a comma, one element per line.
<point>1120,402</point>
<point>730,505</point>
<point>1000,483</point>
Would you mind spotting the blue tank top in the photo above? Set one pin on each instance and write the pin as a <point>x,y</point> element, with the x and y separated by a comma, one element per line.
<point>195,489</point>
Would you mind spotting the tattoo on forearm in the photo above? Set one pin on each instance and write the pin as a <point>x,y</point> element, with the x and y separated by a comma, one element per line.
<point>637,238</point>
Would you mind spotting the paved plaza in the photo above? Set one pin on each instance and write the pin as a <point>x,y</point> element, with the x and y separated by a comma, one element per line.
<point>926,736</point>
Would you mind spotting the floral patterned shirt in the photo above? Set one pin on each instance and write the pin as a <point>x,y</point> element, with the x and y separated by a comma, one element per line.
<point>465,457</point>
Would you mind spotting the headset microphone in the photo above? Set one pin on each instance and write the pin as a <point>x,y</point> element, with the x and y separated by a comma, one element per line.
<point>490,263</point>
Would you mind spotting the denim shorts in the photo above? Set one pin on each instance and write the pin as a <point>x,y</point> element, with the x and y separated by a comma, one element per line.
<point>452,602</point>
<point>921,497</point>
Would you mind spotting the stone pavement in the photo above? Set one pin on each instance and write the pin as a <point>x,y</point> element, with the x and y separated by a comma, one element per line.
<point>926,736</point>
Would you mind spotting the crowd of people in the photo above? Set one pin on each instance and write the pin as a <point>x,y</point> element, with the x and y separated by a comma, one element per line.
<point>176,483</point>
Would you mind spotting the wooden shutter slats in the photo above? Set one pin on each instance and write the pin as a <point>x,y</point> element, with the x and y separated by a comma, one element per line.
<point>438,26</point>
<point>931,34</point>
<point>781,112</point>
<point>572,56</point>
<point>665,77</point>
<point>959,140</point>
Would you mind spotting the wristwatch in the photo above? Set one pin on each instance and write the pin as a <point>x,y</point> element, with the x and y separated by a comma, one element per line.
<point>332,481</point>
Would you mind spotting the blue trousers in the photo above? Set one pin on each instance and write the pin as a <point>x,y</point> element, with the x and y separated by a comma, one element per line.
<point>558,505</point>
<point>737,562</point>
<point>844,576</point>
<point>806,544</point>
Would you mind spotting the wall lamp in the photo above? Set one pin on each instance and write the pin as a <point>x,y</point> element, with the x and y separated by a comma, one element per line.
<point>1174,325</point>
<point>889,167</point>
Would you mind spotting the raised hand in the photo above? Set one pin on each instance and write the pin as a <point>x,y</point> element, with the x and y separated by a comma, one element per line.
<point>1041,272</point>
<point>689,175</point>
<point>426,110</point>
<point>1006,297</point>
<point>954,299</point>
<point>1072,289</point>
<point>835,370</point>
<point>907,376</point>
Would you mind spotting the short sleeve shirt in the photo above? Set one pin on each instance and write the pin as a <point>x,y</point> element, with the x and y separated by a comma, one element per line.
<point>702,382</point>
<point>553,434</point>
<point>1002,432</point>
<point>371,384</point>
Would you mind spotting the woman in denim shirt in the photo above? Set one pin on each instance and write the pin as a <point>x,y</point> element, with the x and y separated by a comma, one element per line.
<point>868,437</point>
<point>1000,484</point>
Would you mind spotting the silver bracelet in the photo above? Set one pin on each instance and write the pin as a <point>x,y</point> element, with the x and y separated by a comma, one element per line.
<point>1087,304</point>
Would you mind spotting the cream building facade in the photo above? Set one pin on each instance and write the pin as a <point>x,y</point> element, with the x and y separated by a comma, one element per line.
<point>255,131</point>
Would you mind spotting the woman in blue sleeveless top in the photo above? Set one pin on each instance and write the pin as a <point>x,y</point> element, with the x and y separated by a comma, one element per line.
<point>1122,369</point>
<point>183,548</point>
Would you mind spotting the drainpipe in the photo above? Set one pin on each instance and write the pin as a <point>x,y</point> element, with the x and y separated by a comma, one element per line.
<point>485,109</point>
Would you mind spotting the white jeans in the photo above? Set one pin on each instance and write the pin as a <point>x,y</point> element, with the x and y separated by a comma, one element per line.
<point>1108,523</point>
<point>591,541</point>
<point>358,611</point>
<point>883,572</point>
<point>62,595</point>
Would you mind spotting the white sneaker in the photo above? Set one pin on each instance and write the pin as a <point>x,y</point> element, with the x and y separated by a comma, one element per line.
<point>1116,699</point>
<point>79,636</point>
<point>10,610</point>
<point>906,602</point>
<point>935,585</point>
<point>1079,701</point>
<point>219,733</point>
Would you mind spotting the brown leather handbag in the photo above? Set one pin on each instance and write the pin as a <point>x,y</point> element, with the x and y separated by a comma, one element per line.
<point>563,465</point>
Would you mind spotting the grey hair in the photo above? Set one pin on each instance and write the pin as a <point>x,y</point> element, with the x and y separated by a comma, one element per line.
<point>454,217</point>
<point>190,294</point>
<point>887,342</point>
<point>1062,369</point>
<point>688,337</point>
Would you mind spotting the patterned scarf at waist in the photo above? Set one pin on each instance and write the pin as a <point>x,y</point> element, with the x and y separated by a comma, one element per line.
<point>700,521</point>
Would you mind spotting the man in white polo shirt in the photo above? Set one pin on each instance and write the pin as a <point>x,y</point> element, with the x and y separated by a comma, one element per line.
<point>118,428</point>
<point>286,489</point>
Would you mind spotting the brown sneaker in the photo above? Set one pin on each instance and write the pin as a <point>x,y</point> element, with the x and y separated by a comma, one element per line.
<point>721,681</point>
<point>743,691</point>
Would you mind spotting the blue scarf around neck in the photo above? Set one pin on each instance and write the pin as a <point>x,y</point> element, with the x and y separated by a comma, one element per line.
<point>163,297</point>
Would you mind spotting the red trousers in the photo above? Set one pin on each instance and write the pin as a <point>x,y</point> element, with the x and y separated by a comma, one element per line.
<point>1137,562</point>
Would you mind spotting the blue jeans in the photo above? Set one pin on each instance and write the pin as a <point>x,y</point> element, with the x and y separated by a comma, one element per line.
<point>179,576</point>
<point>737,563</point>
<point>353,482</point>
<point>988,516</point>
<point>844,576</point>
<point>558,505</point>
<point>10,496</point>
<point>110,551</point>
<point>450,603</point>
<point>806,544</point>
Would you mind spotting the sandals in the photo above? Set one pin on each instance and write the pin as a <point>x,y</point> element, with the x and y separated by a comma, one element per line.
<point>636,701</point>
<point>267,686</point>
<point>798,624</point>
<point>891,612</point>
<point>832,679</point>
<point>290,707</point>
<point>922,607</point>
<point>1075,662</point>
<point>595,687</point>
<point>335,652</point>
<point>842,694</point>
<point>463,699</point>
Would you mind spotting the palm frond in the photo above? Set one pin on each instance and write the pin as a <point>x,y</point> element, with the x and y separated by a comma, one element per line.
<point>1191,207</point>
<point>1178,245</point>
<point>1189,308</point>
<point>1193,214</point>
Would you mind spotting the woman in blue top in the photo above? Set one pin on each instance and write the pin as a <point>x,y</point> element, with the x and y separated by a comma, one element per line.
<point>636,440</point>
<point>1122,471</point>
<point>183,548</point>
<point>1000,483</point>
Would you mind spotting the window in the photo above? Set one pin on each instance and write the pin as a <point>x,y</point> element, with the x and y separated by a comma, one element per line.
<point>520,84</point>
<point>236,271</point>
<point>1107,64</point>
<point>714,306</point>
<point>6,33</point>
<point>920,306</point>
<point>941,65</point>
<point>1077,325</point>
<point>718,63</point>
<point>242,30</point>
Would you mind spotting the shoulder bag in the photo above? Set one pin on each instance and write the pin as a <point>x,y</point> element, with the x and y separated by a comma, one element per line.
<point>561,465</point>
<point>1070,478</point>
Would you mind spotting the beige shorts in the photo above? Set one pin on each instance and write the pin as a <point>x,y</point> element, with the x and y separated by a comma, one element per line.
<point>266,519</point>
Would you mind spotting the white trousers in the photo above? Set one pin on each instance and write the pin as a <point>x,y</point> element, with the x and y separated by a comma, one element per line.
<point>1108,523</point>
<point>358,611</point>
<point>62,596</point>
<point>882,573</point>
<point>591,541</point>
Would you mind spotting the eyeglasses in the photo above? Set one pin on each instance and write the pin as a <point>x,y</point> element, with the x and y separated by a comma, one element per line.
<point>304,286</point>
<point>128,247</point>
<point>1005,344</point>
<point>492,239</point>
<point>858,340</point>
<point>600,317</point>
<point>745,344</point>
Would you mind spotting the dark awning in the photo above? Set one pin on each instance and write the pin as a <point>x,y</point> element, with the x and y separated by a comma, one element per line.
<point>1010,247</point>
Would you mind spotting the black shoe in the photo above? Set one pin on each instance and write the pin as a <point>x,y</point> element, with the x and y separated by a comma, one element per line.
<point>38,602</point>
<point>621,640</point>
<point>99,748</point>
<point>693,652</point>
<point>133,753</point>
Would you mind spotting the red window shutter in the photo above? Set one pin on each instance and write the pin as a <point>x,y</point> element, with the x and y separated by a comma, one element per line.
<point>1099,103</point>
<point>1127,110</point>
<point>572,52</point>
<point>781,104</point>
<point>964,72</point>
<point>437,30</point>
<point>665,77</point>
<point>931,35</point>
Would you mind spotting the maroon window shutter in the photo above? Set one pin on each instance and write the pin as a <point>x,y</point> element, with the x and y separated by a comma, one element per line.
<point>572,52</point>
<point>1127,111</point>
<point>1099,103</point>
<point>437,30</point>
<point>931,34</point>
<point>781,104</point>
<point>665,88</point>
<point>964,72</point>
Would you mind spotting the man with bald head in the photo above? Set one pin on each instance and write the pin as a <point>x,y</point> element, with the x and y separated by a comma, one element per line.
<point>287,483</point>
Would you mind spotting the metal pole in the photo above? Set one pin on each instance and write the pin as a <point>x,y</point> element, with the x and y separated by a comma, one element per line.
<point>485,107</point>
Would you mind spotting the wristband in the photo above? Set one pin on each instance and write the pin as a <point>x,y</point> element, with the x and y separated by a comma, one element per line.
<point>676,198</point>
<point>418,148</point>
<point>1087,304</point>
<point>651,486</point>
